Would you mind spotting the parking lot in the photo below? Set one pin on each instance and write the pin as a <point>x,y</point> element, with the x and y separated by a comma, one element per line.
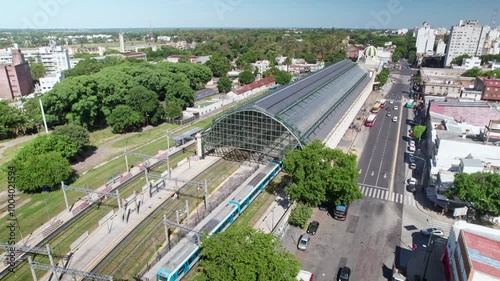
<point>364,242</point>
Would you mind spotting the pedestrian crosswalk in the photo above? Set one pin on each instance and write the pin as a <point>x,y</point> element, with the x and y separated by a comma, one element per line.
<point>383,194</point>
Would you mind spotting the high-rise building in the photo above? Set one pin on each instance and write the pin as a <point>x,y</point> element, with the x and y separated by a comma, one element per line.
<point>465,38</point>
<point>440,48</point>
<point>55,59</point>
<point>15,77</point>
<point>425,39</point>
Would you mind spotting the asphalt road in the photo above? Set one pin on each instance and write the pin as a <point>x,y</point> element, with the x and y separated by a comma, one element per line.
<point>367,239</point>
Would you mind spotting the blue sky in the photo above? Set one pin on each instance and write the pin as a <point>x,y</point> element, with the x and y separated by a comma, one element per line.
<point>242,13</point>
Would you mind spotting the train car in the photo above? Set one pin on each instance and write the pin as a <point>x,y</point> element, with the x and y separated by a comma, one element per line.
<point>187,252</point>
<point>243,198</point>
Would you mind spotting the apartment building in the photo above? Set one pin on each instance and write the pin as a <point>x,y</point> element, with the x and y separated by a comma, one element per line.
<point>15,77</point>
<point>465,38</point>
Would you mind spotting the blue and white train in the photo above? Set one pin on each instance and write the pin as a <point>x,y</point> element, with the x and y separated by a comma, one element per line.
<point>187,252</point>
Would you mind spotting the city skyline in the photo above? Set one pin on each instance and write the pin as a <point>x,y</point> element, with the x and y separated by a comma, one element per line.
<point>374,14</point>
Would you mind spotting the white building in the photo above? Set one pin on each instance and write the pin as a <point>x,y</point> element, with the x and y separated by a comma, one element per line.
<point>425,39</point>
<point>261,66</point>
<point>465,38</point>
<point>48,82</point>
<point>440,47</point>
<point>471,63</point>
<point>495,64</point>
<point>492,42</point>
<point>55,59</point>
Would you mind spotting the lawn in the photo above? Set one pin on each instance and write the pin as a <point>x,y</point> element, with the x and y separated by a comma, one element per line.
<point>48,204</point>
<point>102,136</point>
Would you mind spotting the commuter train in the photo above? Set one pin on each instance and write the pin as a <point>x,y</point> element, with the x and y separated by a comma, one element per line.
<point>187,252</point>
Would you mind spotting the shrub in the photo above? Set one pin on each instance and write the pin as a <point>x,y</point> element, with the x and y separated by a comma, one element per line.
<point>300,215</point>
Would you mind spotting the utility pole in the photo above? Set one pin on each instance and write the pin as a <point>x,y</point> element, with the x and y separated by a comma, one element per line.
<point>43,116</point>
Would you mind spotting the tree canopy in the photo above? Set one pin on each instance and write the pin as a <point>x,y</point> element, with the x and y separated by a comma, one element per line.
<point>320,173</point>
<point>224,85</point>
<point>481,189</point>
<point>418,131</point>
<point>219,65</point>
<point>246,77</point>
<point>75,133</point>
<point>125,119</point>
<point>382,77</point>
<point>42,170</point>
<point>243,253</point>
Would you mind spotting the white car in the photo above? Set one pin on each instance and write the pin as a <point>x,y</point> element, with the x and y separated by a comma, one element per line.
<point>412,181</point>
<point>396,107</point>
<point>434,231</point>
<point>395,119</point>
<point>411,148</point>
<point>391,102</point>
<point>412,143</point>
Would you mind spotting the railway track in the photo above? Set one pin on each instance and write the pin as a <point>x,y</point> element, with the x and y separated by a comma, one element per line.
<point>137,248</point>
<point>87,220</point>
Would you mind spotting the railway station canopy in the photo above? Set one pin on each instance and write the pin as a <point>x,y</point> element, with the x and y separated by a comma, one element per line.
<point>291,117</point>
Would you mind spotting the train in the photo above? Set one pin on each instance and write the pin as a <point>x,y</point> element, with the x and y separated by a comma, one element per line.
<point>187,252</point>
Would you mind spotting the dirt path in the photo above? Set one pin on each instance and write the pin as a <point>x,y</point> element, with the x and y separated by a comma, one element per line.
<point>103,153</point>
<point>6,145</point>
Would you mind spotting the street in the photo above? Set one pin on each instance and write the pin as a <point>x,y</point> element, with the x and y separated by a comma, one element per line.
<point>366,241</point>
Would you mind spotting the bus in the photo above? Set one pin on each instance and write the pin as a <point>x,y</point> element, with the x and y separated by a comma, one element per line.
<point>371,120</point>
<point>409,104</point>
<point>340,212</point>
<point>376,107</point>
<point>382,103</point>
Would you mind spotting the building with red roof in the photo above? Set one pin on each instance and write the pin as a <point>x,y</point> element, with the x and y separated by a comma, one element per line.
<point>472,253</point>
<point>256,86</point>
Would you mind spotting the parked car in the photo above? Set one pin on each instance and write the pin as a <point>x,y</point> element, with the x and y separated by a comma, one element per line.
<point>313,227</point>
<point>413,166</point>
<point>304,241</point>
<point>324,206</point>
<point>411,148</point>
<point>413,159</point>
<point>411,188</point>
<point>344,274</point>
<point>412,181</point>
<point>434,231</point>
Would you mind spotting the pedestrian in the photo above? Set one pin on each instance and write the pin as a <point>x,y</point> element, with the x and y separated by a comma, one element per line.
<point>414,247</point>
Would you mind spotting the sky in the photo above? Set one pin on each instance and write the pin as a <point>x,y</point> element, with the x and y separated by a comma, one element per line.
<point>380,14</point>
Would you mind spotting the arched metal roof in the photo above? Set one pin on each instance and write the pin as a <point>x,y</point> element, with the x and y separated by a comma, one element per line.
<point>292,116</point>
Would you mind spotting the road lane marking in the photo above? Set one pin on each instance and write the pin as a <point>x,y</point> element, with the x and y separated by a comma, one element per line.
<point>394,158</point>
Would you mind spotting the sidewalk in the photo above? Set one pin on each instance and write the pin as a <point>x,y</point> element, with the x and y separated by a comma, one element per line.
<point>65,216</point>
<point>275,218</point>
<point>110,233</point>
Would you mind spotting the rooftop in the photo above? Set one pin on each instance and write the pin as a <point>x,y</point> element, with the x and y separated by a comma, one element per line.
<point>472,163</point>
<point>474,113</point>
<point>484,253</point>
<point>254,85</point>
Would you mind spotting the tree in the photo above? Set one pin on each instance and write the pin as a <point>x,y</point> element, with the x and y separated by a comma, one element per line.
<point>481,189</point>
<point>224,85</point>
<point>473,72</point>
<point>243,253</point>
<point>124,119</point>
<point>458,60</point>
<point>320,173</point>
<point>382,77</point>
<point>38,70</point>
<point>282,77</point>
<point>300,215</point>
<point>246,77</point>
<point>418,131</point>
<point>61,144</point>
<point>75,133</point>
<point>173,109</point>
<point>219,65</point>
<point>38,171</point>
<point>146,103</point>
